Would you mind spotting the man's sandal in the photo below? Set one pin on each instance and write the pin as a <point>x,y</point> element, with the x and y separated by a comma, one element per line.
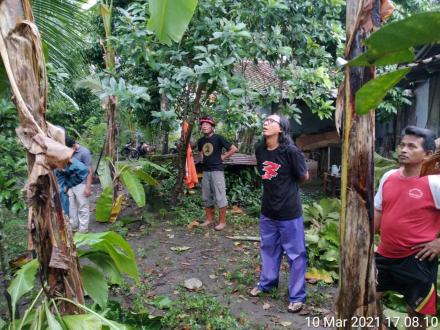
<point>255,292</point>
<point>295,307</point>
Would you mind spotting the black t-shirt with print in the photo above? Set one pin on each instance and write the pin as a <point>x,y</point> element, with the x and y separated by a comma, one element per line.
<point>211,148</point>
<point>281,171</point>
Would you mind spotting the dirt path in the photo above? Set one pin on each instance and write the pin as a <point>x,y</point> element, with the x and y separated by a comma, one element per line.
<point>228,269</point>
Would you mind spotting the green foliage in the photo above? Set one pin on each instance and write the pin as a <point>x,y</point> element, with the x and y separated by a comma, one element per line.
<point>82,321</point>
<point>390,45</point>
<point>373,92</point>
<point>381,166</point>
<point>199,311</point>
<point>244,187</point>
<point>104,205</point>
<point>395,100</point>
<point>93,134</point>
<point>137,320</point>
<point>12,160</point>
<point>386,45</point>
<point>23,282</point>
<point>133,185</point>
<point>191,209</point>
<point>95,284</point>
<point>113,257</point>
<point>169,19</point>
<point>62,25</point>
<point>132,175</point>
<point>298,40</point>
<point>322,235</point>
<point>111,244</point>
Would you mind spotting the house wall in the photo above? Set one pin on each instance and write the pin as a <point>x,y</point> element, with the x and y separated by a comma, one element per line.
<point>424,112</point>
<point>422,103</point>
<point>434,105</point>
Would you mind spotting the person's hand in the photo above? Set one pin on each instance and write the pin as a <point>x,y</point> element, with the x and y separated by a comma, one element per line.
<point>223,157</point>
<point>87,191</point>
<point>428,250</point>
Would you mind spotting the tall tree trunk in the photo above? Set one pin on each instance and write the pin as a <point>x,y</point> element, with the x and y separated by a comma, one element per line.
<point>22,55</point>
<point>110,144</point>
<point>164,105</point>
<point>110,103</point>
<point>178,187</point>
<point>357,288</point>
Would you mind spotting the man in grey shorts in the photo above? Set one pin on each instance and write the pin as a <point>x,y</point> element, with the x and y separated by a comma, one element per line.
<point>213,183</point>
<point>79,210</point>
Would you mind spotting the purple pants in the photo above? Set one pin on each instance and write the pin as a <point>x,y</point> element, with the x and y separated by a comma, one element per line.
<point>276,237</point>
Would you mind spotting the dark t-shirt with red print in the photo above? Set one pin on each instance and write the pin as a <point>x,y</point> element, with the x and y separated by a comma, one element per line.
<point>281,171</point>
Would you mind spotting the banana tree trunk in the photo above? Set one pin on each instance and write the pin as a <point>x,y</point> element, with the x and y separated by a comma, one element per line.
<point>105,9</point>
<point>110,145</point>
<point>357,272</point>
<point>22,55</point>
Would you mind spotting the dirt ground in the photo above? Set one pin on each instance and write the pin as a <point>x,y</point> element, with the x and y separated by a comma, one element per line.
<point>169,254</point>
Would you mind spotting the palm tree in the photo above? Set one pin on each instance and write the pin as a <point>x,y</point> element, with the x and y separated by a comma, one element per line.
<point>63,25</point>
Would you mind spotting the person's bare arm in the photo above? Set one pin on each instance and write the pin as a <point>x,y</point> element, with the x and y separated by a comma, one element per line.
<point>428,250</point>
<point>377,220</point>
<point>232,150</point>
<point>305,177</point>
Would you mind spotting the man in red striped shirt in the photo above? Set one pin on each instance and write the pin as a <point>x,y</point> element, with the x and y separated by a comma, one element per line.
<point>407,213</point>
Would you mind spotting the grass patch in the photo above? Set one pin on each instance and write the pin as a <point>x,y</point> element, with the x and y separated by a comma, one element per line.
<point>199,311</point>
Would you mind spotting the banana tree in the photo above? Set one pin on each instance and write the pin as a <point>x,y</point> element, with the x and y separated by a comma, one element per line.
<point>23,59</point>
<point>358,96</point>
<point>357,276</point>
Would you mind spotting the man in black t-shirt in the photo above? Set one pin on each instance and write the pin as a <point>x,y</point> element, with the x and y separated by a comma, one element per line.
<point>213,183</point>
<point>282,167</point>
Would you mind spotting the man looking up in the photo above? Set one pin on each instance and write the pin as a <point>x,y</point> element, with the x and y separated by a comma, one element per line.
<point>407,213</point>
<point>79,212</point>
<point>283,168</point>
<point>211,146</point>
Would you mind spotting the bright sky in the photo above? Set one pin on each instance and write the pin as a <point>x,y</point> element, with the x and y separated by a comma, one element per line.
<point>89,4</point>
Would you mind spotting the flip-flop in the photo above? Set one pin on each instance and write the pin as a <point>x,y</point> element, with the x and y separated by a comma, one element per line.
<point>255,292</point>
<point>295,307</point>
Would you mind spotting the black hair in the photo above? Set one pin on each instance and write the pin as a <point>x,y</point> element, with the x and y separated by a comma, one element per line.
<point>427,135</point>
<point>284,138</point>
<point>69,141</point>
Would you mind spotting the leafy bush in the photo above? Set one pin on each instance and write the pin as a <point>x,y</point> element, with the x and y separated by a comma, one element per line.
<point>12,160</point>
<point>381,166</point>
<point>112,258</point>
<point>244,187</point>
<point>322,235</point>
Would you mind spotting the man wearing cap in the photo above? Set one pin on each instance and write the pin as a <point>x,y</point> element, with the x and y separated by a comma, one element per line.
<point>211,146</point>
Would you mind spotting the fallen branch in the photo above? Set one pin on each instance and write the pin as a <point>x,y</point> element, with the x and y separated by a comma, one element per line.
<point>244,238</point>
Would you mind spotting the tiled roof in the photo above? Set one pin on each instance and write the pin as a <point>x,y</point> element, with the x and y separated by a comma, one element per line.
<point>261,75</point>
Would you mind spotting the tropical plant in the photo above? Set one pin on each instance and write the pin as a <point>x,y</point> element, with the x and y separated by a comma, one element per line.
<point>322,238</point>
<point>113,258</point>
<point>393,44</point>
<point>12,164</point>
<point>132,176</point>
<point>356,276</point>
<point>26,72</point>
<point>244,188</point>
<point>381,166</point>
